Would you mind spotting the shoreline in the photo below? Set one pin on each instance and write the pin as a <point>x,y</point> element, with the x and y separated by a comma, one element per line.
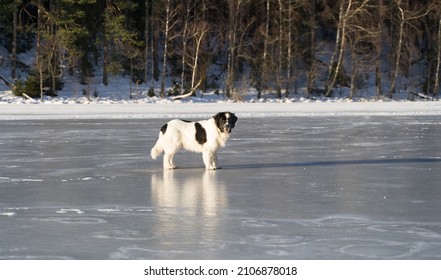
<point>44,111</point>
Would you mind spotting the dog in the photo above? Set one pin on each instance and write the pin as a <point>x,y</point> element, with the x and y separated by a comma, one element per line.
<point>204,137</point>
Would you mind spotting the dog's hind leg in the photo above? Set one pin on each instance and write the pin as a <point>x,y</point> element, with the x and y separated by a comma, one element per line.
<point>168,161</point>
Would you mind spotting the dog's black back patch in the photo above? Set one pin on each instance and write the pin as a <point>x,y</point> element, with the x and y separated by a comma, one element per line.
<point>201,134</point>
<point>164,128</point>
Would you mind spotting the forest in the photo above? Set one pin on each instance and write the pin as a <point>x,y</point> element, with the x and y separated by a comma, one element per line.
<point>228,46</point>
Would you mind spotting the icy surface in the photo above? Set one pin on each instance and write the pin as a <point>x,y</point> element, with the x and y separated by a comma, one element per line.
<point>303,187</point>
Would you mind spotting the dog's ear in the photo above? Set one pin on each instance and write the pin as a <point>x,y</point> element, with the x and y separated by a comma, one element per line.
<point>234,118</point>
<point>217,119</point>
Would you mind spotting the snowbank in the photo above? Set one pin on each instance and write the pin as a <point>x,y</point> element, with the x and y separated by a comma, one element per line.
<point>144,109</point>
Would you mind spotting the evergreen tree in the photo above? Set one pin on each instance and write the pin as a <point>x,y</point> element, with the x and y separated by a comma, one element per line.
<point>121,42</point>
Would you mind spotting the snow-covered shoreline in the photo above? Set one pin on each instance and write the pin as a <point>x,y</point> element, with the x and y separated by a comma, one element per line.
<point>48,111</point>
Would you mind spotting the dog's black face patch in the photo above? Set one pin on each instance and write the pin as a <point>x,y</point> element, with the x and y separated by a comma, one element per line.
<point>201,134</point>
<point>164,128</point>
<point>225,121</point>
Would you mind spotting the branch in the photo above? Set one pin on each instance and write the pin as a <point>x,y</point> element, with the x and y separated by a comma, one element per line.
<point>188,94</point>
<point>8,83</point>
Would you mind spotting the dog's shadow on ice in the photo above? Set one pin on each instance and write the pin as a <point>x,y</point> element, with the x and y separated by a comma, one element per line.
<point>332,163</point>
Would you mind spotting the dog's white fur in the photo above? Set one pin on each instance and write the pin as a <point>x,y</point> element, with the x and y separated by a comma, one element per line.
<point>177,134</point>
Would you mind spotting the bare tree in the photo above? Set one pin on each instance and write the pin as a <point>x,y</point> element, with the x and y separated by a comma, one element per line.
<point>401,22</point>
<point>198,31</point>
<point>265,67</point>
<point>379,47</point>
<point>238,24</point>
<point>39,57</point>
<point>311,52</point>
<point>405,16</point>
<point>288,48</point>
<point>234,19</point>
<point>337,56</point>
<point>362,33</point>
<point>360,48</point>
<point>348,9</point>
<point>147,34</point>
<point>170,21</point>
<point>437,10</point>
<point>185,34</point>
<point>14,40</point>
<point>281,41</point>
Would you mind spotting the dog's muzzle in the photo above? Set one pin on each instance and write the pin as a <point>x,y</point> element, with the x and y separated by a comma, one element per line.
<point>228,128</point>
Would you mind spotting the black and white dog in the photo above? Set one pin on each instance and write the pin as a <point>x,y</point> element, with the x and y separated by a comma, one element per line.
<point>202,137</point>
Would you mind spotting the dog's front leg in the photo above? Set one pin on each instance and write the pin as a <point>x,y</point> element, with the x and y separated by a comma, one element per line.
<point>210,159</point>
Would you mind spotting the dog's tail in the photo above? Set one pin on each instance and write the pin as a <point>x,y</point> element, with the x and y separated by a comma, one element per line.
<point>157,149</point>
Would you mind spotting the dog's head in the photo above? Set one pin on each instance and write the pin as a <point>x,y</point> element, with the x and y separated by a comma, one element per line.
<point>225,121</point>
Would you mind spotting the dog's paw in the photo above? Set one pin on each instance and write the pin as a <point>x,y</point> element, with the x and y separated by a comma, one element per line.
<point>171,167</point>
<point>212,168</point>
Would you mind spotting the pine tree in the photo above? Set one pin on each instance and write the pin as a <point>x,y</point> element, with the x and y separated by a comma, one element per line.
<point>121,40</point>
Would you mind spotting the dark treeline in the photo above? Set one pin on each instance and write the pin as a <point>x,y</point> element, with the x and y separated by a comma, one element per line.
<point>230,45</point>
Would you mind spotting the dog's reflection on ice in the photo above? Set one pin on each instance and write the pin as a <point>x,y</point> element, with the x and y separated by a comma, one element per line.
<point>193,193</point>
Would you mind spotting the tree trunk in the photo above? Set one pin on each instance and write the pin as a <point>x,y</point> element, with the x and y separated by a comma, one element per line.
<point>230,64</point>
<point>195,65</point>
<point>339,49</point>
<point>233,11</point>
<point>156,58</point>
<point>353,70</point>
<point>14,43</point>
<point>311,68</point>
<point>198,36</point>
<point>184,46</point>
<point>131,78</point>
<point>105,62</point>
<point>280,60</point>
<point>165,50</point>
<point>378,49</point>
<point>289,46</point>
<point>438,61</point>
<point>264,73</point>
<point>147,40</point>
<point>39,58</point>
<point>399,47</point>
